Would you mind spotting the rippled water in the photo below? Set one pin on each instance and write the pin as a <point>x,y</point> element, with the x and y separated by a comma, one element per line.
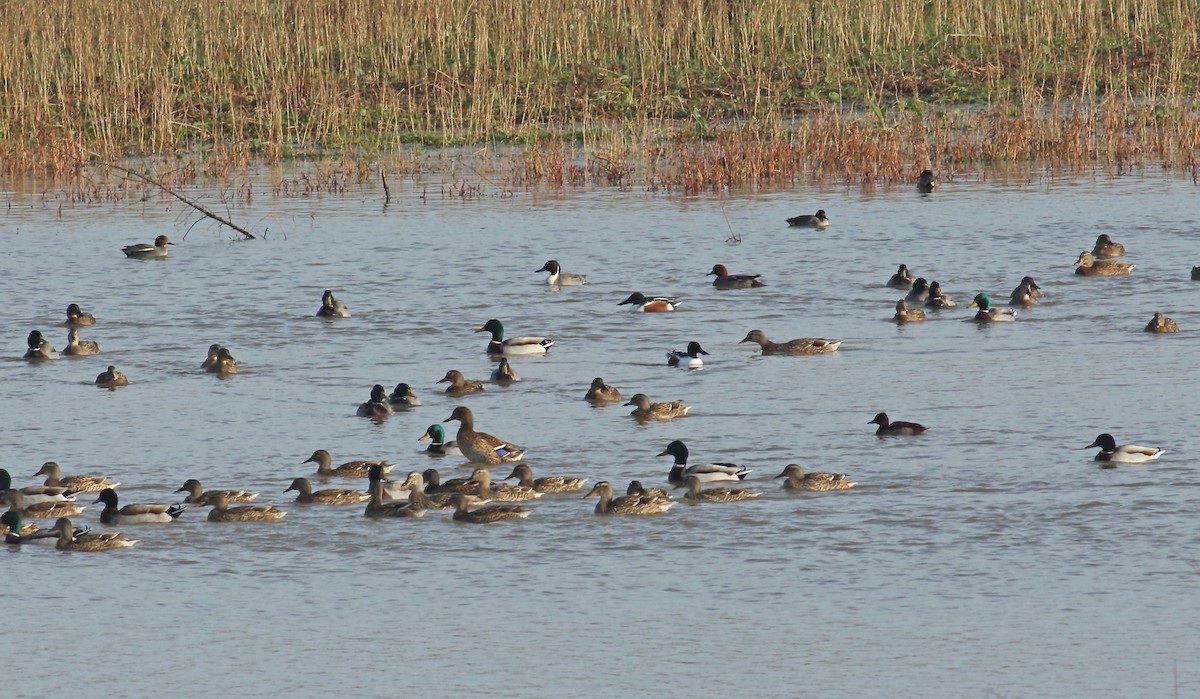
<point>990,557</point>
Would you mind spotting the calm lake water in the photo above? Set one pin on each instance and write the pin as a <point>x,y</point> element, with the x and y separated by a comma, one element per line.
<point>989,557</point>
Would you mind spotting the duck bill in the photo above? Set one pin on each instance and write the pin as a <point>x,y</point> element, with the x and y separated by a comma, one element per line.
<point>424,437</point>
<point>664,452</point>
<point>972,305</point>
<point>1093,445</point>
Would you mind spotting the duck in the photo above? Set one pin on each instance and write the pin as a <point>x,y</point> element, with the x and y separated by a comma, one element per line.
<point>17,532</point>
<point>560,278</point>
<point>80,483</point>
<point>919,291</point>
<point>803,345</point>
<point>378,406</point>
<point>87,542</point>
<point>35,493</point>
<point>111,378</point>
<point>937,299</point>
<point>438,446</point>
<point>926,182</point>
<point>546,484</point>
<point>513,346</point>
<point>376,507</point>
<point>415,485</point>
<point>705,473</point>
<point>888,428</point>
<point>645,410</point>
<point>689,358</point>
<point>484,515</point>
<point>1195,274</point>
<point>797,479</point>
<point>904,314</point>
<point>403,398</point>
<point>145,251</point>
<point>1124,454</point>
<point>725,280</point>
<point>641,303</point>
<point>484,488</point>
<point>39,347</point>
<point>210,361</point>
<point>76,316</point>
<point>222,512</point>
<point>459,385</point>
<point>46,509</point>
<point>1027,293</point>
<point>636,488</point>
<point>434,485</point>
<point>601,392</point>
<point>196,495</point>
<point>987,314</point>
<point>902,279</point>
<point>331,307</point>
<point>305,495</point>
<point>135,514</point>
<point>350,469</point>
<point>818,220</point>
<point>223,364</point>
<point>75,348</point>
<point>1161,324</point>
<point>696,494</point>
<point>1089,266</point>
<point>480,447</point>
<point>1105,247</point>
<point>504,374</point>
<point>626,504</point>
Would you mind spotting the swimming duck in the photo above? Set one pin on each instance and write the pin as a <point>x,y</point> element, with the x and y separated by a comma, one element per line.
<point>904,314</point>
<point>403,397</point>
<point>111,378</point>
<point>39,347</point>
<point>1105,247</point>
<point>1161,324</point>
<point>546,484</point>
<point>68,540</point>
<point>434,485</point>
<point>926,182</point>
<point>41,510</point>
<point>889,428</point>
<point>987,314</point>
<point>504,374</point>
<point>1124,454</point>
<point>1027,293</point>
<point>377,508</point>
<point>305,495</point>
<point>705,473</point>
<point>135,514</point>
<point>210,361</point>
<point>415,485</point>
<point>725,280</point>
<point>803,345</point>
<point>483,515</point>
<point>35,493</point>
<point>689,358</point>
<point>645,410</point>
<point>331,307</point>
<point>626,504</point>
<point>937,299</point>
<point>501,491</point>
<point>226,364</point>
<point>480,447</point>
<point>797,479</point>
<point>1089,266</point>
<point>601,392</point>
<point>378,406</point>
<point>919,292</point>
<point>76,316</point>
<point>560,278</point>
<point>350,469</point>
<point>459,385</point>
<point>1195,273</point>
<point>817,220</point>
<point>17,532</point>
<point>641,303</point>
<point>902,279</point>
<point>513,346</point>
<point>75,348</point>
<point>198,496</point>
<point>79,484</point>
<point>636,488</point>
<point>438,446</point>
<point>696,494</point>
<point>143,251</point>
<point>222,512</point>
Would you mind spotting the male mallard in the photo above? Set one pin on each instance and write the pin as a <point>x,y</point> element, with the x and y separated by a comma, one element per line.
<point>459,385</point>
<point>706,473</point>
<point>504,374</point>
<point>438,446</point>
<point>41,510</point>
<point>17,532</point>
<point>936,298</point>
<point>645,410</point>
<point>689,358</point>
<point>626,504</point>
<point>888,428</point>
<point>803,345</point>
<point>987,314</point>
<point>926,182</point>
<point>560,278</point>
<point>1124,454</point>
<point>135,514</point>
<point>1105,247</point>
<point>350,469</point>
<point>223,363</point>
<point>377,508</point>
<point>636,488</point>
<point>641,303</point>
<point>305,495</point>
<point>481,479</point>
<point>68,540</point>
<point>919,292</point>
<point>1161,324</point>
<point>415,485</point>
<point>480,447</point>
<point>144,251</point>
<point>513,346</point>
<point>817,220</point>
<point>725,280</point>
<point>222,512</point>
<point>601,392</point>
<point>696,494</point>
<point>1089,266</point>
<point>797,479</point>
<point>79,484</point>
<point>403,397</point>
<point>35,493</point>
<point>331,307</point>
<point>483,515</point>
<point>210,361</point>
<point>75,348</point>
<point>198,496</point>
<point>111,378</point>
<point>378,406</point>
<point>904,314</point>
<point>902,279</point>
<point>546,484</point>
<point>76,316</point>
<point>1027,293</point>
<point>39,347</point>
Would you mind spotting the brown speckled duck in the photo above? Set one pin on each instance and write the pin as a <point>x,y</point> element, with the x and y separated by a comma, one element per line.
<point>820,481</point>
<point>902,279</point>
<point>197,495</point>
<point>501,492</point>
<point>68,540</point>
<point>350,469</point>
<point>76,316</point>
<point>1106,248</point>
<point>377,508</point>
<point>222,512</point>
<point>645,410</point>
<point>79,483</point>
<point>77,348</point>
<point>111,378</point>
<point>1161,324</point>
<point>601,392</point>
<point>546,484</point>
<point>904,314</point>
<point>305,495</point>
<point>626,504</point>
<point>459,385</point>
<point>1027,293</point>
<point>481,447</point>
<point>1088,266</point>
<point>803,345</point>
<point>696,494</point>
<point>484,515</point>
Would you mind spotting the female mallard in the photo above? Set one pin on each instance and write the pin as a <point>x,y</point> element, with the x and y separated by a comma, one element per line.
<point>438,446</point>
<point>513,346</point>
<point>636,488</point>
<point>696,494</point>
<point>434,485</point>
<point>803,345</point>
<point>601,392</point>
<point>41,510</point>
<point>111,378</point>
<point>902,279</point>
<point>483,515</point>
<point>459,385</point>
<point>936,298</point>
<point>797,479</point>
<point>1089,266</point>
<point>378,406</point>
<point>645,410</point>
<point>305,495</point>
<point>403,398</point>
<point>705,473</point>
<point>725,280</point>
<point>35,493</point>
<point>144,251</point>
<point>377,508</point>
<point>222,512</point>
<point>919,292</point>
<point>1161,324</point>
<point>1105,247</point>
<point>480,447</point>
<point>1124,454</point>
<point>197,495</point>
<point>546,484</point>
<point>210,361</point>
<point>137,513</point>
<point>689,358</point>
<point>504,374</point>
<point>626,504</point>
<point>818,220</point>
<point>888,428</point>
<point>415,485</point>
<point>331,307</point>
<point>75,348</point>
<point>68,540</point>
<point>501,492</point>
<point>641,303</point>
<point>987,314</point>
<point>560,278</point>
<point>79,484</point>
<point>926,182</point>
<point>904,314</point>
<point>350,469</point>
<point>76,316</point>
<point>1027,293</point>
<point>39,347</point>
<point>224,363</point>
